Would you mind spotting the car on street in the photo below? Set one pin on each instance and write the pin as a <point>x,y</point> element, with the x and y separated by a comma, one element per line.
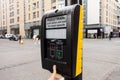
<point>2,37</point>
<point>7,36</point>
<point>13,38</point>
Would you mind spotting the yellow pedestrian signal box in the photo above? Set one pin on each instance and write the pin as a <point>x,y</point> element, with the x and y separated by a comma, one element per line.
<point>61,40</point>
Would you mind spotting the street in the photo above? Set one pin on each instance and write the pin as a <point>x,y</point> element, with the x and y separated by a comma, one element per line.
<point>101,60</point>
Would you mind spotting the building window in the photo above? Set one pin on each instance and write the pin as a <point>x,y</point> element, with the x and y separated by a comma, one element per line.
<point>107,6</point>
<point>17,11</point>
<point>54,7</point>
<point>11,14</point>
<point>3,16</point>
<point>52,1</point>
<point>18,19</point>
<point>17,4</point>
<point>34,5</point>
<point>3,5</point>
<point>12,1</point>
<point>37,13</point>
<point>28,1</point>
<point>3,22</point>
<point>34,15</point>
<point>3,11</point>
<point>37,4</point>
<point>12,20</point>
<point>106,13</point>
<point>29,8</point>
<point>29,17</point>
<point>11,7</point>
<point>106,19</point>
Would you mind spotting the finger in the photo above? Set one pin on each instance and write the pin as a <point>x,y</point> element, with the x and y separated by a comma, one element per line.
<point>54,70</point>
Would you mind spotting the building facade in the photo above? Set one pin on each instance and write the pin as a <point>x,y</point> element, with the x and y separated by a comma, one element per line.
<point>53,4</point>
<point>3,17</point>
<point>101,18</point>
<point>33,17</point>
<point>23,17</point>
<point>15,17</point>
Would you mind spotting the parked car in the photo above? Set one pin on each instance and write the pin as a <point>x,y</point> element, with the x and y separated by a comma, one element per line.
<point>2,37</point>
<point>14,38</point>
<point>7,36</point>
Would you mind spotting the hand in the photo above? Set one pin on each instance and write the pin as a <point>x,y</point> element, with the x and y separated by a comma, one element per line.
<point>53,76</point>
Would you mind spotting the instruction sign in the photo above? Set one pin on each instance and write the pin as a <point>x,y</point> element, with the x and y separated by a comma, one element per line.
<point>56,22</point>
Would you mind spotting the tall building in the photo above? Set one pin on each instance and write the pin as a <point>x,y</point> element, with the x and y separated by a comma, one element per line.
<point>101,17</point>
<point>0,20</point>
<point>33,15</point>
<point>53,4</point>
<point>34,10</point>
<point>15,17</point>
<point>3,17</point>
<point>23,17</point>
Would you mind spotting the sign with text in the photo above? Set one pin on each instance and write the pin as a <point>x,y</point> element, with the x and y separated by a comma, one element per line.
<point>56,22</point>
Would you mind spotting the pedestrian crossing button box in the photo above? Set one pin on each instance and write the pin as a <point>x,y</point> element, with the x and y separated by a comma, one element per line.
<point>61,40</point>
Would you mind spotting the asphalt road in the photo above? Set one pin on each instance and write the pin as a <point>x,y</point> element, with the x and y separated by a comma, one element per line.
<point>101,60</point>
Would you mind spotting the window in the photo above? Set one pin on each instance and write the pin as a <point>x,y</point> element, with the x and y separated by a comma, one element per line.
<point>54,7</point>
<point>3,16</point>
<point>29,8</point>
<point>17,11</point>
<point>28,1</point>
<point>34,5</point>
<point>29,17</point>
<point>18,19</point>
<point>3,22</point>
<point>37,13</point>
<point>107,6</point>
<point>3,5</point>
<point>12,1</point>
<point>3,11</point>
<point>17,4</point>
<point>11,7</point>
<point>34,15</point>
<point>37,4</point>
<point>12,20</point>
<point>11,14</point>
<point>106,19</point>
<point>106,13</point>
<point>52,1</point>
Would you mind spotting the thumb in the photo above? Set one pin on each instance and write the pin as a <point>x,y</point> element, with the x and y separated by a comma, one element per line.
<point>54,70</point>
